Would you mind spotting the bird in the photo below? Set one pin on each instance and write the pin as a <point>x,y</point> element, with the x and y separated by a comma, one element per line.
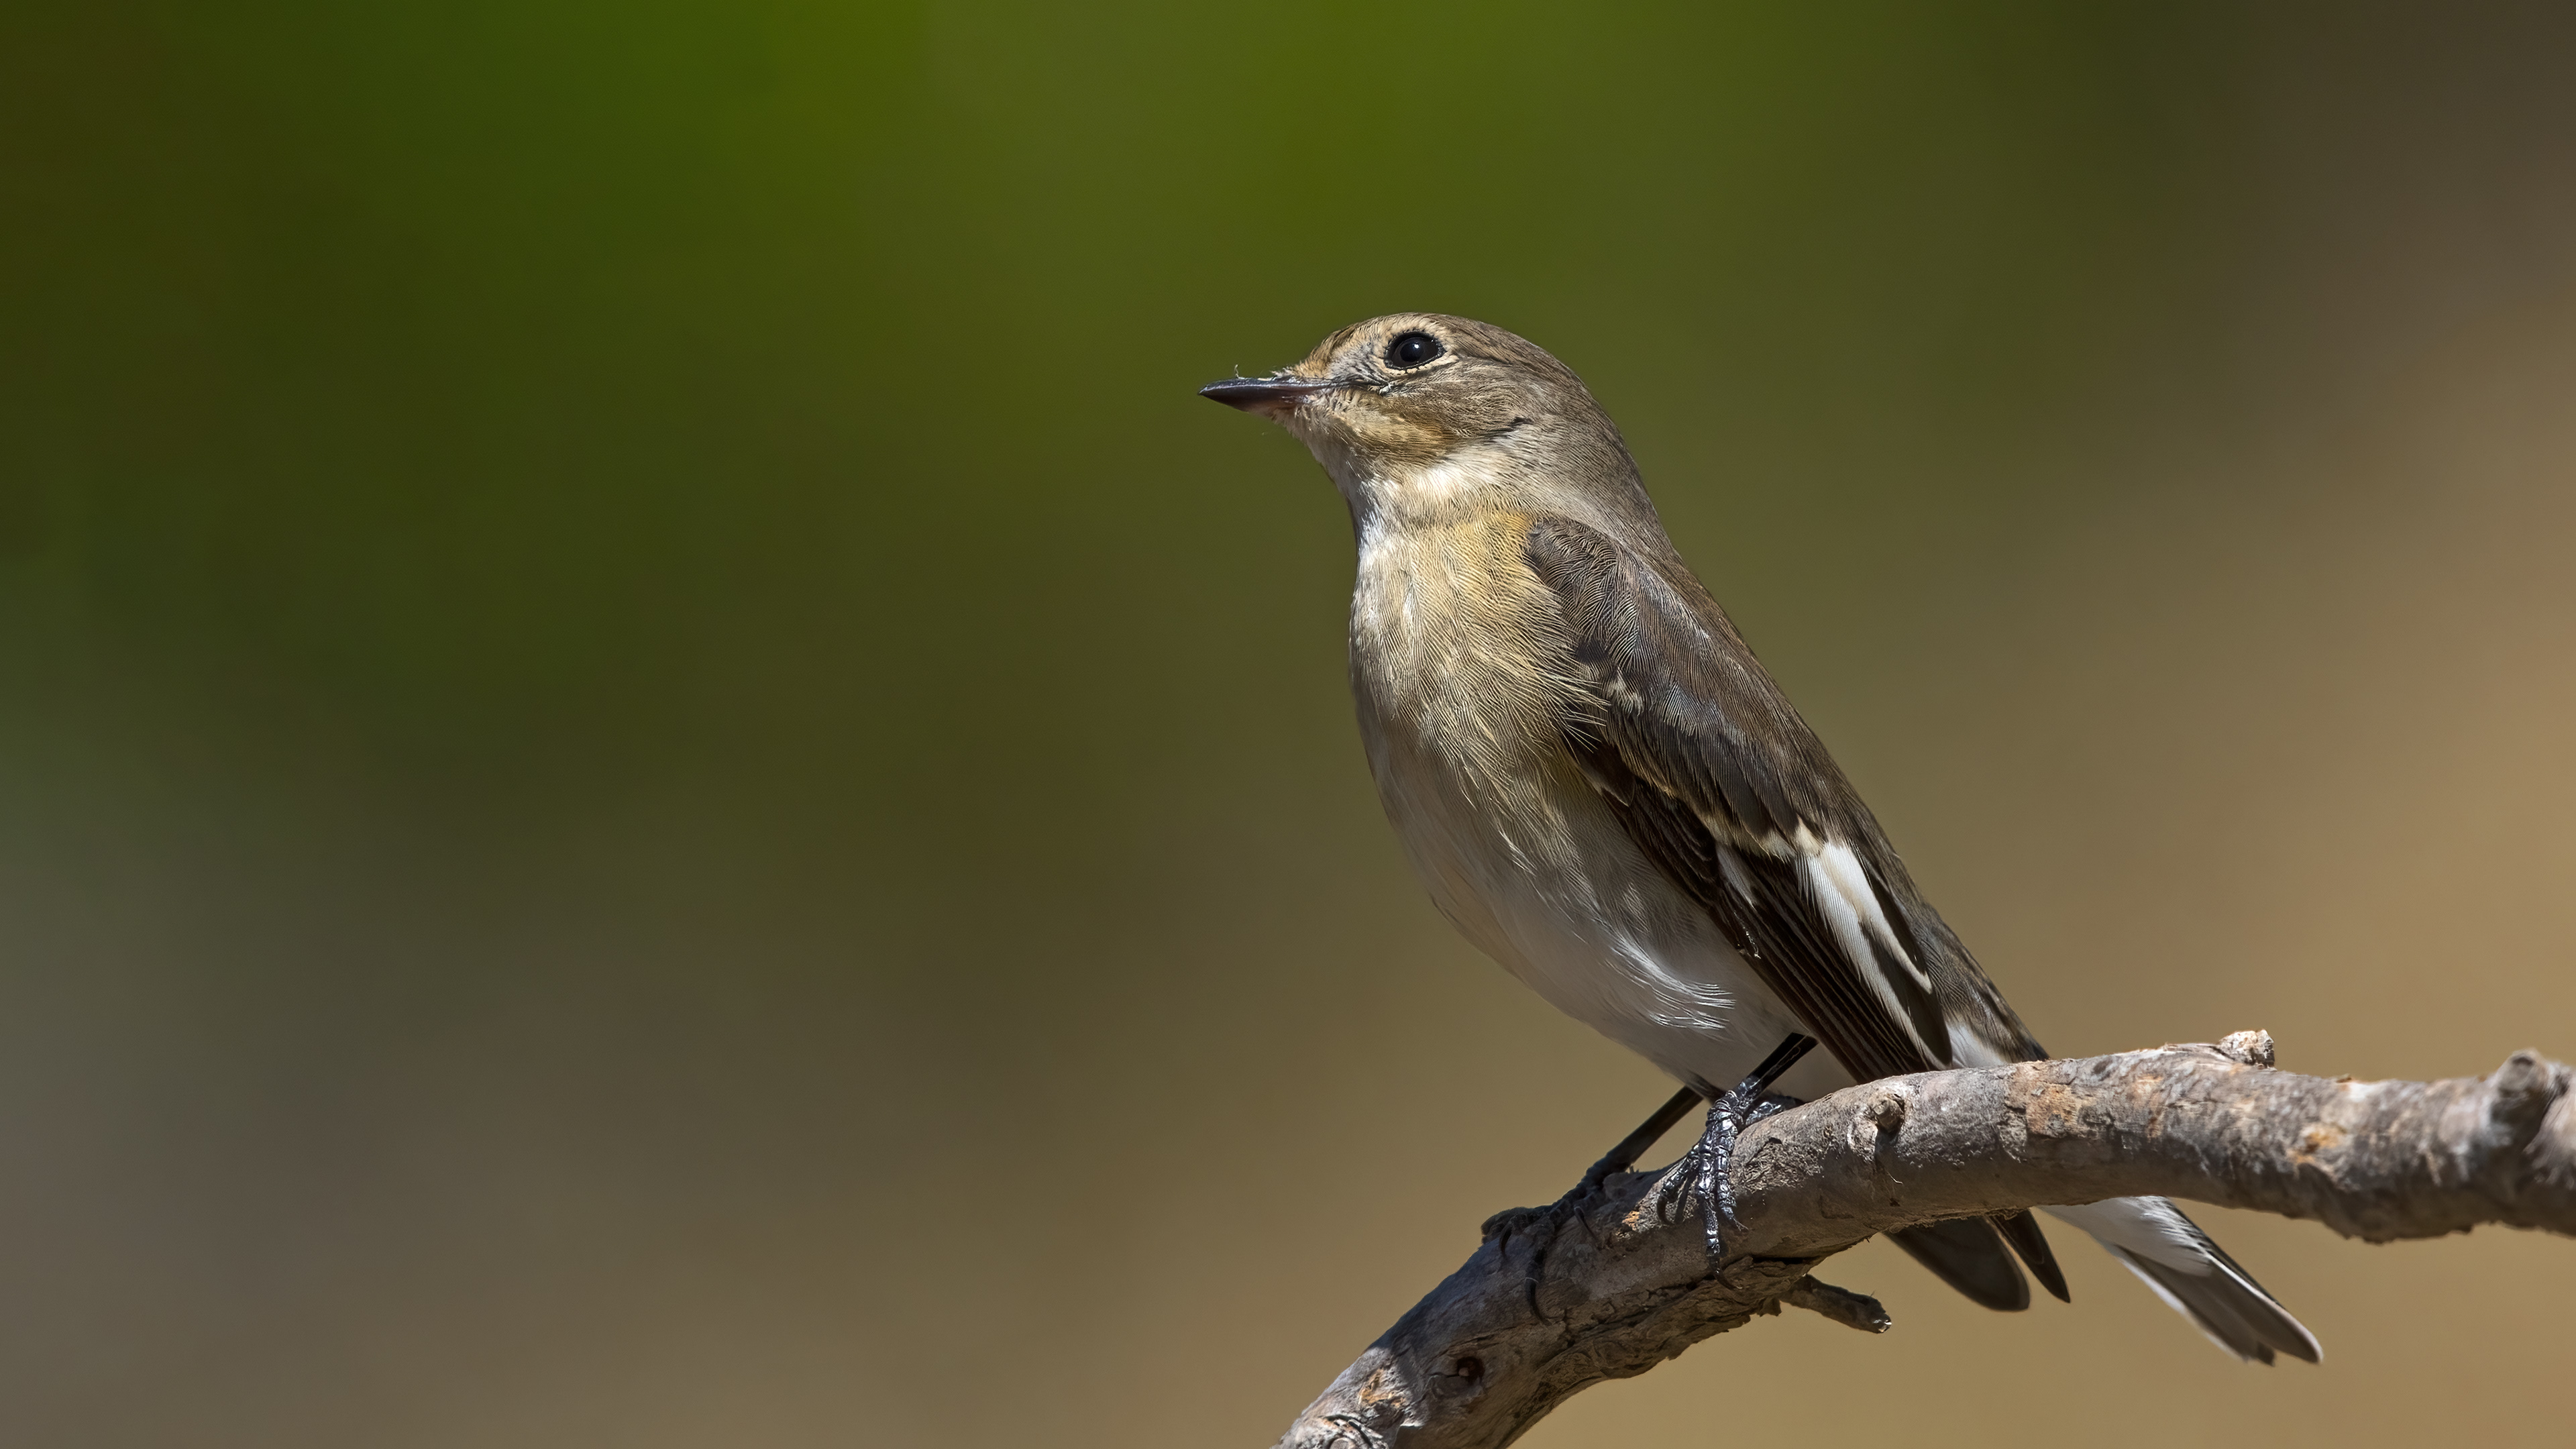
<point>1603,790</point>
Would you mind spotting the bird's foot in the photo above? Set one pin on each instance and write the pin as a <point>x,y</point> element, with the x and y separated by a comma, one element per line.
<point>1702,1177</point>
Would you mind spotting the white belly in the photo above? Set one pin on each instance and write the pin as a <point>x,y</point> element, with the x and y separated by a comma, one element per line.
<point>1511,840</point>
<point>1561,897</point>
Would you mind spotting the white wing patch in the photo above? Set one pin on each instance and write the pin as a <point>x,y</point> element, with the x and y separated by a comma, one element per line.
<point>1968,1049</point>
<point>1839,885</point>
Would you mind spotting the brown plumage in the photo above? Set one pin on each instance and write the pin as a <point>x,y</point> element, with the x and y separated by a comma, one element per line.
<point>1605,791</point>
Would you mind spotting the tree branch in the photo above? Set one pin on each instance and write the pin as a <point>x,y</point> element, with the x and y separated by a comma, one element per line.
<point>1555,1301</point>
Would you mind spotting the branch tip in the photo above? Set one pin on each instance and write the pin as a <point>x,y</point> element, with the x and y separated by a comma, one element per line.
<point>1851,1310</point>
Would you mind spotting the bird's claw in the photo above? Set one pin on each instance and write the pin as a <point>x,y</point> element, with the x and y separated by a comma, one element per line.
<point>1700,1178</point>
<point>1704,1173</point>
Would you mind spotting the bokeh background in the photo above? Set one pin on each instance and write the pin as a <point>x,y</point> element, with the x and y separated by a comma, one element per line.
<point>660,786</point>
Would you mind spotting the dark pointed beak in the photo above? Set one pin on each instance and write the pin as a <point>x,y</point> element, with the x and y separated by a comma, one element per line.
<point>1272,395</point>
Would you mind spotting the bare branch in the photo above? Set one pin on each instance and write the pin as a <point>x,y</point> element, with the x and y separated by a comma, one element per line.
<point>1555,1301</point>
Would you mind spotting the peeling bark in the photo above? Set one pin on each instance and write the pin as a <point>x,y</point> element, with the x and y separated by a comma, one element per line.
<point>1557,1300</point>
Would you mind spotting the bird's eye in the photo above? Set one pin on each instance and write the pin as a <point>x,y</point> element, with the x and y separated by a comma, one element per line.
<point>1413,349</point>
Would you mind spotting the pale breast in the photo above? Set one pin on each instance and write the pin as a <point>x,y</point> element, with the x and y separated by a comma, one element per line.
<point>1458,666</point>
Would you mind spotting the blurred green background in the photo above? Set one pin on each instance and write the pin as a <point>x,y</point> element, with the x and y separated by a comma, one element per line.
<point>659,785</point>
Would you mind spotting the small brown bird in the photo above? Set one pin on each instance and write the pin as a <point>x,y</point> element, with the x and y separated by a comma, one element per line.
<point>1606,792</point>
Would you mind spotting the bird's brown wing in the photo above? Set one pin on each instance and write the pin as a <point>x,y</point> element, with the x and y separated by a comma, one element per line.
<point>1720,781</point>
<point>1722,784</point>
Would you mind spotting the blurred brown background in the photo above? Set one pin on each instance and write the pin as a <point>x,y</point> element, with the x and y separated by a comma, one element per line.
<point>660,786</point>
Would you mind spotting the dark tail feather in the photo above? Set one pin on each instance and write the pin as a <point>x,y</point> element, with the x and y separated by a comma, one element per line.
<point>1967,1254</point>
<point>2231,1308</point>
<point>2031,1246</point>
<point>2194,1276</point>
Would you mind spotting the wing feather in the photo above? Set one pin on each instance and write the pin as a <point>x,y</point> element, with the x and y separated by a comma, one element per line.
<point>1723,785</point>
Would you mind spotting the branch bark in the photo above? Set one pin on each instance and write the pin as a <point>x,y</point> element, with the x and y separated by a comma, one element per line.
<point>1552,1303</point>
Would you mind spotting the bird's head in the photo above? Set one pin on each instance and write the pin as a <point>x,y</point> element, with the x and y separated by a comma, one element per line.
<point>1417,411</point>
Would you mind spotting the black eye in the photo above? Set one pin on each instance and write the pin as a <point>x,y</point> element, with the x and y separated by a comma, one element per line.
<point>1413,349</point>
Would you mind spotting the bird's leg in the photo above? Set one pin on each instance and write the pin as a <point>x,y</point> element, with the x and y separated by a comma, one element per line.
<point>1702,1172</point>
<point>1617,1159</point>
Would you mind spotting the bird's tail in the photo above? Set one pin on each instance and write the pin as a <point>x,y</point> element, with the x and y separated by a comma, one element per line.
<point>2193,1275</point>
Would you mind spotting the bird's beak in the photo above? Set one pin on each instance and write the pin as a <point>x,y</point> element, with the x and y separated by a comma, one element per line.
<point>1272,397</point>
